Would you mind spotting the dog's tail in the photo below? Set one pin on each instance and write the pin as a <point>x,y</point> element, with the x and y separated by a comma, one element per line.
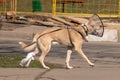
<point>26,47</point>
<point>31,46</point>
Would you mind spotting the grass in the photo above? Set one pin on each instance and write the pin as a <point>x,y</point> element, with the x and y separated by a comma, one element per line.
<point>12,61</point>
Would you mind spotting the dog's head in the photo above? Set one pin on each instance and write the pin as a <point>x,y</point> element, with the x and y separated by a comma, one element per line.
<point>95,26</point>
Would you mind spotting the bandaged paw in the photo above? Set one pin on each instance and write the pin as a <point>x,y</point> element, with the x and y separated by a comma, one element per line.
<point>23,62</point>
<point>26,61</point>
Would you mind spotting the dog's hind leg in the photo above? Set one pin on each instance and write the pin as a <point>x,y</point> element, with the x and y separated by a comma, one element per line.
<point>69,51</point>
<point>30,56</point>
<point>45,48</point>
<point>79,50</point>
<point>41,59</point>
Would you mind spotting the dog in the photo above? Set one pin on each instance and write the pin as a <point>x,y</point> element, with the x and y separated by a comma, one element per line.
<point>72,37</point>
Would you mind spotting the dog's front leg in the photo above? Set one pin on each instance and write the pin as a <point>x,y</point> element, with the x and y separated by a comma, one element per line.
<point>85,57</point>
<point>69,51</point>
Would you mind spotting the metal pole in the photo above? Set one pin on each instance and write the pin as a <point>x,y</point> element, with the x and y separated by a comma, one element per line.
<point>119,9</point>
<point>5,11</point>
<point>54,7</point>
<point>15,6</point>
<point>14,9</point>
<point>73,7</point>
<point>11,5</point>
<point>63,7</point>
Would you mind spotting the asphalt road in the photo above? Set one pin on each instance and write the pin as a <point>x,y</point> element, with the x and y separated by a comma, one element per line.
<point>105,55</point>
<point>98,52</point>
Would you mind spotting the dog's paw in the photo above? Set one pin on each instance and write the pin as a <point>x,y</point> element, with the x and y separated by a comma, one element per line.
<point>69,67</point>
<point>92,64</point>
<point>46,67</point>
<point>23,62</point>
<point>22,65</point>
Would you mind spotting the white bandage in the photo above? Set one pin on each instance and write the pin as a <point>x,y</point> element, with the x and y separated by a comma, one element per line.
<point>30,55</point>
<point>26,61</point>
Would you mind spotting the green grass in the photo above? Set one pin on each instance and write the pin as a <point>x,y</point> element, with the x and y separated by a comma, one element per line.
<point>12,61</point>
<point>7,60</point>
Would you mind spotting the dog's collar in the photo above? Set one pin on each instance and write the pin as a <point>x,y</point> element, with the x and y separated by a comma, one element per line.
<point>85,28</point>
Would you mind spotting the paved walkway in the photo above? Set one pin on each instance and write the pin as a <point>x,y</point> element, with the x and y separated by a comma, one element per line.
<point>60,74</point>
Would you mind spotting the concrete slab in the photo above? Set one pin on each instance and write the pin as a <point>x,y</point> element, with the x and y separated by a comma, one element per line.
<point>60,74</point>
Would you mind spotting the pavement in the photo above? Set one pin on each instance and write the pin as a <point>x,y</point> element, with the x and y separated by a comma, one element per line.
<point>105,55</point>
<point>59,74</point>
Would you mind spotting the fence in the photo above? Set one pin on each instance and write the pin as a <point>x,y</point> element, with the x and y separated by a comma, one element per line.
<point>107,8</point>
<point>85,7</point>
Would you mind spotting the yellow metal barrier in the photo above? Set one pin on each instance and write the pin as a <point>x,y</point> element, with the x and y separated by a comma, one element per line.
<point>83,8</point>
<point>3,6</point>
<point>108,8</point>
<point>9,6</point>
